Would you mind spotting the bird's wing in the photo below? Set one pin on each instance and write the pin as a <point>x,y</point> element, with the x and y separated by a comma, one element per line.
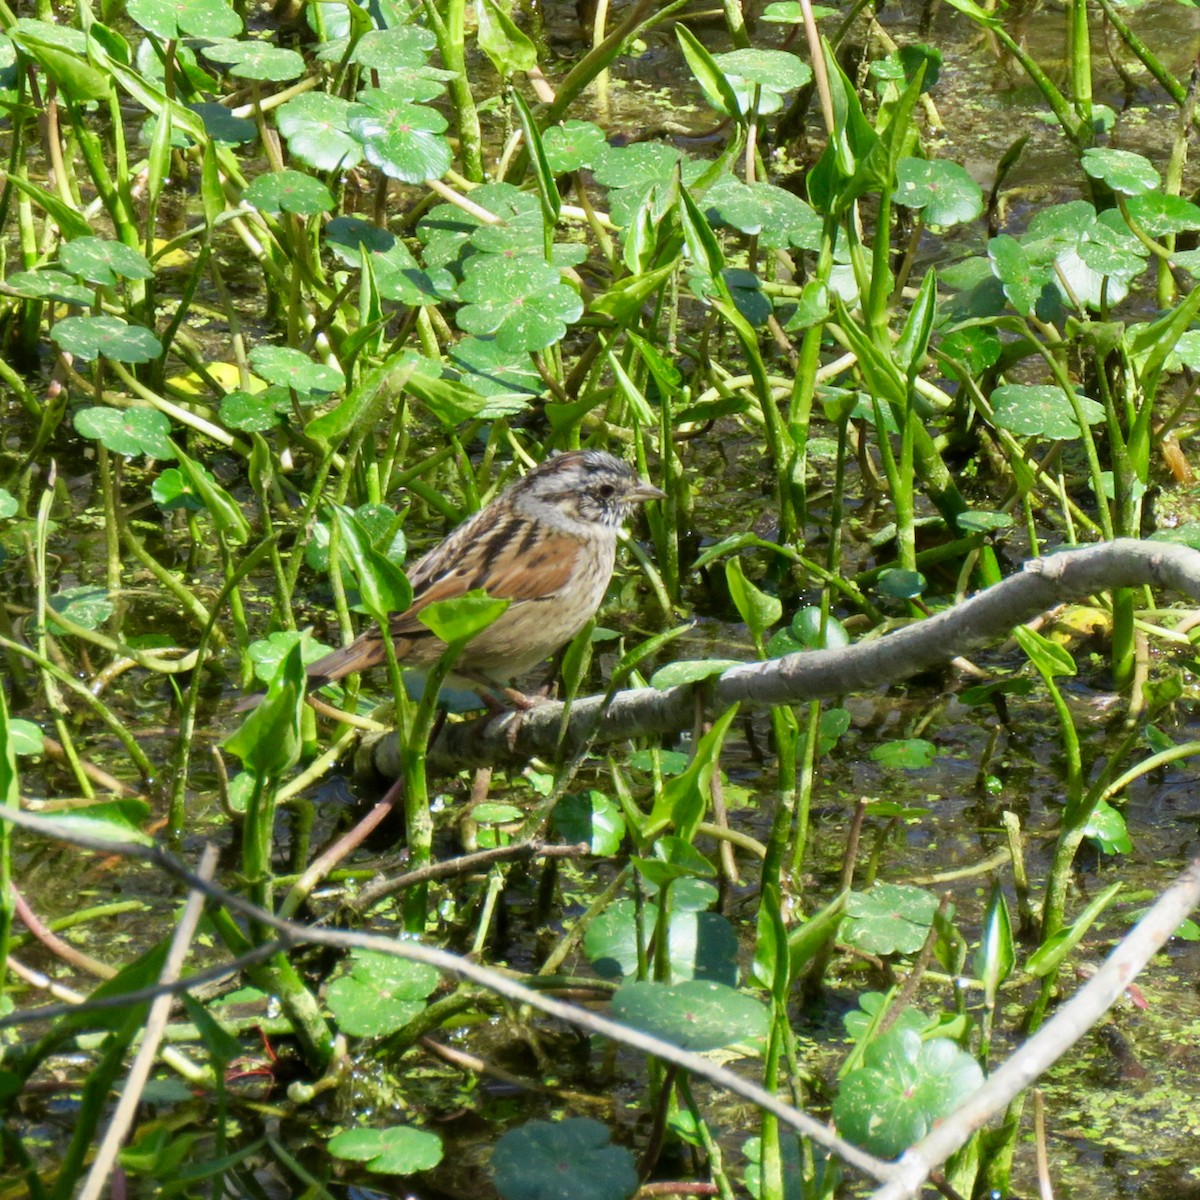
<point>510,560</point>
<point>511,568</point>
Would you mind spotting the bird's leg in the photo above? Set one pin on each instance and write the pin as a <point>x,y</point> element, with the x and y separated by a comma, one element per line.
<point>524,701</point>
<point>494,697</point>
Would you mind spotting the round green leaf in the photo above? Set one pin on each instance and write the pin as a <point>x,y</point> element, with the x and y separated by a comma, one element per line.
<point>521,300</point>
<point>1106,827</point>
<point>1160,214</point>
<point>507,378</point>
<point>745,289</point>
<point>255,412</point>
<point>971,350</point>
<point>901,585</point>
<point>694,1015</point>
<point>90,337</point>
<point>908,754</point>
<point>25,737</point>
<point>399,1150</point>
<point>833,724</point>
<point>129,431</point>
<point>222,126</point>
<point>700,945</point>
<point>348,237</point>
<point>520,230</point>
<point>1187,260</point>
<point>593,818</point>
<point>1123,171</point>
<point>380,994</point>
<point>316,128</point>
<point>905,1086</point>
<point>982,521</point>
<point>1110,251</point>
<point>172,490</point>
<point>1041,410</point>
<point>493,812</point>
<point>1023,282</point>
<point>8,504</point>
<point>630,172</point>
<point>84,605</point>
<point>286,367</point>
<point>267,653</point>
<point>806,629</point>
<point>257,60</point>
<point>398,277</point>
<point>943,191</point>
<point>49,285</point>
<point>572,145</point>
<point>772,72</point>
<point>404,140</point>
<point>915,55</point>
<point>289,191</point>
<point>402,48</point>
<point>778,218</point>
<point>1186,352</point>
<point>870,1004</point>
<point>543,1160</point>
<point>445,231</point>
<point>1060,225</point>
<point>170,20</point>
<point>889,919</point>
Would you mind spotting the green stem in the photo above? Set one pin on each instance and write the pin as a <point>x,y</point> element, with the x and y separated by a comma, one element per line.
<point>1172,86</point>
<point>451,36</point>
<point>279,978</point>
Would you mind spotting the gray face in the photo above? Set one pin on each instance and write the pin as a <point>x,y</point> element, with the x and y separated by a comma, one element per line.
<point>590,486</point>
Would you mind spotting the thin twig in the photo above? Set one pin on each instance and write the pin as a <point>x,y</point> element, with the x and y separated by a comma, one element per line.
<point>1052,1041</point>
<point>465,864</point>
<point>501,984</point>
<point>908,991</point>
<point>348,842</point>
<point>55,944</point>
<point>156,1024</point>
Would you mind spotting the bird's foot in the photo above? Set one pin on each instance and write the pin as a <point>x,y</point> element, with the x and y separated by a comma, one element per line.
<point>518,704</point>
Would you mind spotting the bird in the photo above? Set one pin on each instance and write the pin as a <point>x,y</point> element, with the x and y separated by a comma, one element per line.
<point>547,544</point>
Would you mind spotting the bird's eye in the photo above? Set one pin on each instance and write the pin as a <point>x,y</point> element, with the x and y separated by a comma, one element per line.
<point>606,491</point>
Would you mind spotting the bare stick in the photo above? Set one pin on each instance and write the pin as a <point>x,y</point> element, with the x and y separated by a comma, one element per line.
<point>494,981</point>
<point>465,864</point>
<point>156,1024</point>
<point>1053,1040</point>
<point>985,618</point>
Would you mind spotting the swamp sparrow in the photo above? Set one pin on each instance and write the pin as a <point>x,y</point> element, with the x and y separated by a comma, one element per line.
<point>547,544</point>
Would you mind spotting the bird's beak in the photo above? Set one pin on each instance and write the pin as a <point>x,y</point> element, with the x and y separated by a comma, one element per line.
<point>646,491</point>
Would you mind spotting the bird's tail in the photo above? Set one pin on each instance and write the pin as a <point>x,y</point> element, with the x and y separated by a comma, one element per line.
<point>360,655</point>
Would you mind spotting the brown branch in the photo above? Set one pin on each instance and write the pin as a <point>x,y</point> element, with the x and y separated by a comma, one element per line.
<point>465,864</point>
<point>64,950</point>
<point>156,1025</point>
<point>986,618</point>
<point>494,981</point>
<point>1052,1041</point>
